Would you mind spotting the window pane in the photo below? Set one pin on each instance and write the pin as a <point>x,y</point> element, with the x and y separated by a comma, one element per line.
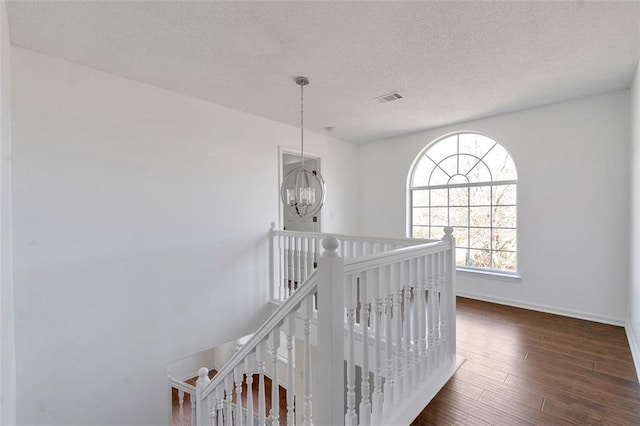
<point>504,239</point>
<point>437,232</point>
<point>462,256</point>
<point>504,260</point>
<point>459,216</point>
<point>438,177</point>
<point>480,258</point>
<point>480,173</point>
<point>439,216</point>
<point>478,145</point>
<point>439,197</point>
<point>421,216</point>
<point>480,238</point>
<point>480,216</point>
<point>458,196</point>
<point>504,194</point>
<point>444,148</point>
<point>450,165</point>
<point>500,164</point>
<point>422,172</point>
<point>480,195</point>
<point>461,236</point>
<point>420,198</point>
<point>504,216</point>
<point>420,232</point>
<point>467,162</point>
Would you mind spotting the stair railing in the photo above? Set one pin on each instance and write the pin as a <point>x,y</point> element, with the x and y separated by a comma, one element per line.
<point>294,255</point>
<point>400,302</point>
<point>182,388</point>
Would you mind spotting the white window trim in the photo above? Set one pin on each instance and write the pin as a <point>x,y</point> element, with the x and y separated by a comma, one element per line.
<point>490,274</point>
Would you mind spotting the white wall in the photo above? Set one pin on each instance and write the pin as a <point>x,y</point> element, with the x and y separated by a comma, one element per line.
<point>141,219</point>
<point>573,214</point>
<point>7,340</point>
<point>633,325</point>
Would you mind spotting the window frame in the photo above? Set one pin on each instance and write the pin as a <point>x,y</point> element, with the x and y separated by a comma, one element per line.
<point>508,275</point>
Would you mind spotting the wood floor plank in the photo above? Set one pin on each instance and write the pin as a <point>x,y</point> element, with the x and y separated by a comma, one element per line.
<point>521,411</point>
<point>527,367</point>
<point>479,410</point>
<point>580,400</point>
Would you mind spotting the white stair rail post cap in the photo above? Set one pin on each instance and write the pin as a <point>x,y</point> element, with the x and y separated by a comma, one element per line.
<point>203,376</point>
<point>448,233</point>
<point>330,245</point>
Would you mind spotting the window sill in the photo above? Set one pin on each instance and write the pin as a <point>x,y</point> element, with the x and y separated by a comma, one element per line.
<point>489,275</point>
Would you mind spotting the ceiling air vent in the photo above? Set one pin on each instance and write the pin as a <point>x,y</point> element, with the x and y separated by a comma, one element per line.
<point>389,98</point>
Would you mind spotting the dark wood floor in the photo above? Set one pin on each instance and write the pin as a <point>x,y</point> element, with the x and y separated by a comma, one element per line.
<point>526,367</point>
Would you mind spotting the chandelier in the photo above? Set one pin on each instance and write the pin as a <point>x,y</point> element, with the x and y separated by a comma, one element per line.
<point>302,190</point>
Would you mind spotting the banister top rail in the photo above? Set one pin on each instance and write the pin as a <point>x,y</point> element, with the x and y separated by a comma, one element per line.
<point>362,263</point>
<point>183,386</point>
<point>307,288</point>
<point>342,237</point>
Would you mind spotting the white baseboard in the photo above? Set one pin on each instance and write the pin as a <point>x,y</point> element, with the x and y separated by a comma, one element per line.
<point>635,349</point>
<point>544,308</point>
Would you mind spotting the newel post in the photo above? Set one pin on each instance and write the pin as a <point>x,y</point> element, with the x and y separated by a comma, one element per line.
<point>201,407</point>
<point>450,284</point>
<point>330,363</point>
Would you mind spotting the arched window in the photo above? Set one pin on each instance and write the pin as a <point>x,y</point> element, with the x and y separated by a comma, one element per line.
<point>467,181</point>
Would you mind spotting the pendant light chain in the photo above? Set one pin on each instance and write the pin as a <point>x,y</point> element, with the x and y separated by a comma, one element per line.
<point>302,125</point>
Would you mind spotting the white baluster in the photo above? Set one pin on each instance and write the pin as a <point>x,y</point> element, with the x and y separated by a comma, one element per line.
<point>351,419</point>
<point>378,308</point>
<point>404,359</point>
<point>292,265</point>
<point>291,331</point>
<point>212,410</point>
<point>284,283</point>
<point>192,398</point>
<point>261,396</point>
<point>417,327</point>
<point>275,387</point>
<point>298,261</point>
<point>248,368</point>
<point>282,266</point>
<point>365,404</point>
<point>422,310</point>
<point>180,407</point>
<point>436,309</point>
<point>308,314</point>
<point>239,378</point>
<point>220,406</point>
<point>397,331</point>
<point>389,380</point>
<point>346,249</point>
<point>310,254</point>
<point>228,398</point>
<point>303,260</point>
<point>408,333</point>
<point>440,307</point>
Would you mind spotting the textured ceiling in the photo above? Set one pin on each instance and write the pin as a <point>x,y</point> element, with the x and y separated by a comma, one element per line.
<point>452,61</point>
